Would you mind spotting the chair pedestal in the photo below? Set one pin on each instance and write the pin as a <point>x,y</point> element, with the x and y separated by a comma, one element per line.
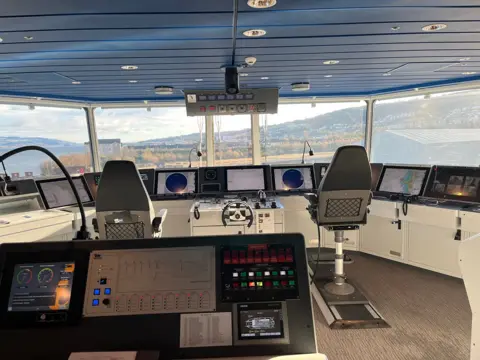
<point>338,286</point>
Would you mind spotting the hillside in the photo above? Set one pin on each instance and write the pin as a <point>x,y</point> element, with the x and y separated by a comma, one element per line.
<point>11,142</point>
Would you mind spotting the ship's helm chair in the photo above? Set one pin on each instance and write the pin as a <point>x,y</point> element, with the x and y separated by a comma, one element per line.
<point>123,206</point>
<point>341,204</point>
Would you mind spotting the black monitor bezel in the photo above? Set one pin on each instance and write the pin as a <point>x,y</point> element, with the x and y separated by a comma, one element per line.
<point>152,172</point>
<point>158,171</point>
<point>265,169</point>
<point>381,166</point>
<point>93,174</point>
<point>302,166</point>
<point>44,199</point>
<point>406,167</point>
<point>433,195</point>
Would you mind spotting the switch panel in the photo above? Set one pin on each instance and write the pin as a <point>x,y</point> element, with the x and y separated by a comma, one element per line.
<point>134,282</point>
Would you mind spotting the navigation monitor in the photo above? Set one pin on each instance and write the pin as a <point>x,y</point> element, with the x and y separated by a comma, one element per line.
<point>376,172</point>
<point>260,321</point>
<point>296,178</point>
<point>93,179</point>
<point>57,192</point>
<point>172,182</point>
<point>148,178</point>
<point>246,179</point>
<point>41,286</point>
<point>405,180</point>
<point>454,183</point>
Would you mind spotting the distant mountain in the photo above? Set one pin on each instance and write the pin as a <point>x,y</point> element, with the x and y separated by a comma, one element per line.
<point>11,142</point>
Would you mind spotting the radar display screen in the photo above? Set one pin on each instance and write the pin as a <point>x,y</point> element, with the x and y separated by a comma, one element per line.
<point>455,183</point>
<point>293,178</point>
<point>58,193</point>
<point>41,287</point>
<point>403,180</point>
<point>260,321</point>
<point>248,179</point>
<point>176,182</point>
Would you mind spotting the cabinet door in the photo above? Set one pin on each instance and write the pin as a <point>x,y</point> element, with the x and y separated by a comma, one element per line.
<point>433,248</point>
<point>382,238</point>
<point>350,243</point>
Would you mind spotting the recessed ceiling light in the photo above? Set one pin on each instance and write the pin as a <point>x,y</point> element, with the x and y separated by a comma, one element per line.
<point>254,33</point>
<point>464,59</point>
<point>327,85</point>
<point>434,27</point>
<point>328,76</point>
<point>301,86</point>
<point>198,80</point>
<point>132,81</point>
<point>265,78</point>
<point>416,89</point>
<point>1,39</point>
<point>395,28</point>
<point>28,37</point>
<point>331,62</point>
<point>243,74</point>
<point>387,74</point>
<point>469,73</point>
<point>76,82</point>
<point>129,67</point>
<point>261,4</point>
<point>164,90</point>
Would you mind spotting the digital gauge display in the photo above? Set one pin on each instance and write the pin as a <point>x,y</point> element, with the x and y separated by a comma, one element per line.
<point>41,287</point>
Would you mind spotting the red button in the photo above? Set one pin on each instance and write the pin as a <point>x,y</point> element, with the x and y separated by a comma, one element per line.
<point>281,255</point>
<point>203,109</point>
<point>266,257</point>
<point>273,256</point>
<point>284,283</point>
<point>242,257</point>
<point>234,257</point>
<point>268,283</point>
<point>289,255</point>
<point>258,257</point>
<point>226,257</point>
<point>251,284</point>
<point>236,285</point>
<point>212,108</point>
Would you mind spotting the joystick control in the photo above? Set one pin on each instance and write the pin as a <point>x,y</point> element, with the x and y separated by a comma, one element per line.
<point>257,205</point>
<point>274,205</point>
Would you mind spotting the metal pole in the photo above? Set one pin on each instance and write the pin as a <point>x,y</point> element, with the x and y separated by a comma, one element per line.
<point>369,127</point>
<point>210,137</point>
<point>256,146</point>
<point>339,275</point>
<point>92,135</point>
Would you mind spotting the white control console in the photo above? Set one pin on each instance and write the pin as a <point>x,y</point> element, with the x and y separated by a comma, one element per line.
<point>126,282</point>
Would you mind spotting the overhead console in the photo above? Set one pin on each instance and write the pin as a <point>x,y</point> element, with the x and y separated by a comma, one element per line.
<point>185,297</point>
<point>247,101</point>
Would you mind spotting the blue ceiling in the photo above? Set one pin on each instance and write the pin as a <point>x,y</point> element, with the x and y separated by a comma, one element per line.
<point>174,42</point>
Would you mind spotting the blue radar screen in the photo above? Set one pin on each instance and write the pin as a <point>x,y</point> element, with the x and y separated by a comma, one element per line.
<point>293,179</point>
<point>176,183</point>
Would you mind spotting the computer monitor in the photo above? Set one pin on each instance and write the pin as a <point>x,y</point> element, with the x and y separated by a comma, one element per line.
<point>454,183</point>
<point>57,193</point>
<point>246,179</point>
<point>293,178</point>
<point>405,180</point>
<point>93,179</point>
<point>376,172</point>
<point>176,182</point>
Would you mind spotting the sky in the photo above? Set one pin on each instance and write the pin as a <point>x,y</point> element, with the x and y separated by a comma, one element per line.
<point>132,125</point>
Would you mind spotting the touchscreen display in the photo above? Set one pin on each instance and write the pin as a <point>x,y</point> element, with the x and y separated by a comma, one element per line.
<point>58,193</point>
<point>454,182</point>
<point>291,179</point>
<point>41,286</point>
<point>245,179</point>
<point>403,180</point>
<point>260,321</point>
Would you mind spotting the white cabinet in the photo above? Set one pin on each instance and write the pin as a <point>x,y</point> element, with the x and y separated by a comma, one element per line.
<point>382,238</point>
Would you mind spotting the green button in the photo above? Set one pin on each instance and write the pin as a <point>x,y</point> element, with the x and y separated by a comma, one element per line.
<point>291,283</point>
<point>276,283</point>
<point>274,273</point>
<point>243,274</point>
<point>290,272</point>
<point>259,273</point>
<point>259,284</point>
<point>243,284</point>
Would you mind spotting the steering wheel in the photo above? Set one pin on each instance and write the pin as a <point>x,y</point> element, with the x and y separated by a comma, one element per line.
<point>237,212</point>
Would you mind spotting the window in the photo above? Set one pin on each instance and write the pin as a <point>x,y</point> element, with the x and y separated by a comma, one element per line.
<point>62,131</point>
<point>326,126</point>
<point>233,140</point>
<point>441,129</point>
<point>153,137</point>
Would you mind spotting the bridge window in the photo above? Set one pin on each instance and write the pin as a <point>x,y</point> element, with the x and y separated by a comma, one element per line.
<point>326,126</point>
<point>233,140</point>
<point>62,131</point>
<point>439,129</point>
<point>161,137</point>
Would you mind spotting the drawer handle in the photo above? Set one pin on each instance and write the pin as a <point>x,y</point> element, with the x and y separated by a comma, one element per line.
<point>395,253</point>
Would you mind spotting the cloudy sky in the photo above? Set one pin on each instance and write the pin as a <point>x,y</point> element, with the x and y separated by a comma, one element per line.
<point>131,124</point>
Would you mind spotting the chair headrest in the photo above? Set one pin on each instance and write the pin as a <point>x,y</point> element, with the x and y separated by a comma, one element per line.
<point>121,188</point>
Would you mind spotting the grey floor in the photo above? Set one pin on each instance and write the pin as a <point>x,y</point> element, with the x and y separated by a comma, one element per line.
<point>429,315</point>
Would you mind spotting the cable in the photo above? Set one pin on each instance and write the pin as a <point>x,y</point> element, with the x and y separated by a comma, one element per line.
<point>310,152</point>
<point>82,234</point>
<point>318,257</point>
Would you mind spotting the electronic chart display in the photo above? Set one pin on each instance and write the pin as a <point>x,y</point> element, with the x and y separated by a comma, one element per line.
<point>403,180</point>
<point>455,183</point>
<point>57,192</point>
<point>41,287</point>
<point>248,179</point>
<point>293,178</point>
<point>176,182</point>
<point>260,321</point>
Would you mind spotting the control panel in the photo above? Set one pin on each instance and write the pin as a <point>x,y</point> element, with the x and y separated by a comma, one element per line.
<point>258,273</point>
<point>150,281</point>
<point>247,101</point>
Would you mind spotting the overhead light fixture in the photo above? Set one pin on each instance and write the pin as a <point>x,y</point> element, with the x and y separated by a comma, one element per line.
<point>250,60</point>
<point>328,76</point>
<point>416,89</point>
<point>198,80</point>
<point>243,74</point>
<point>387,74</point>
<point>301,86</point>
<point>469,73</point>
<point>164,90</point>
<point>129,67</point>
<point>261,4</point>
<point>264,78</point>
<point>132,81</point>
<point>254,33</point>
<point>395,28</point>
<point>1,39</point>
<point>331,62</point>
<point>76,82</point>
<point>464,59</point>
<point>434,27</point>
<point>28,38</point>
<point>145,101</point>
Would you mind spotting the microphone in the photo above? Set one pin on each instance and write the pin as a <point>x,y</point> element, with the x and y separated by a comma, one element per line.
<point>310,152</point>
<point>199,155</point>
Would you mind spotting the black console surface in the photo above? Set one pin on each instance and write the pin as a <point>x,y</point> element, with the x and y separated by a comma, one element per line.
<point>151,295</point>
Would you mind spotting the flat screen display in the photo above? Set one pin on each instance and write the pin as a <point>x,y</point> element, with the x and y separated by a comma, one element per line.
<point>41,286</point>
<point>293,178</point>
<point>260,321</point>
<point>456,183</point>
<point>148,178</point>
<point>376,172</point>
<point>403,180</point>
<point>252,179</point>
<point>176,182</point>
<point>57,192</point>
